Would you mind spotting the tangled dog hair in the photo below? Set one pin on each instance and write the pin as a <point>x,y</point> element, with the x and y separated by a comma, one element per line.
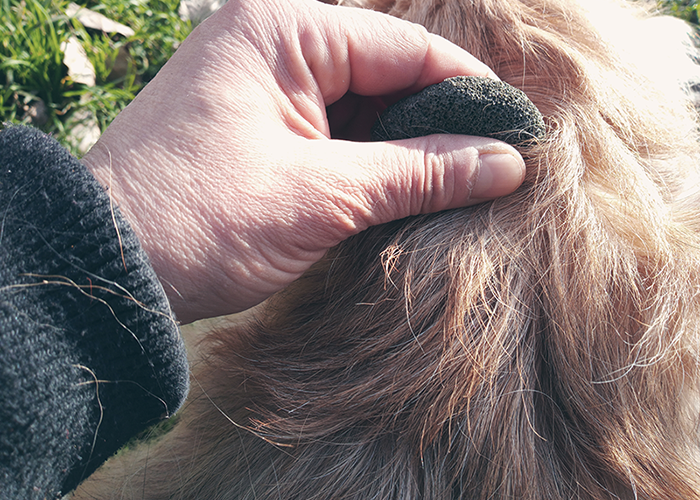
<point>541,346</point>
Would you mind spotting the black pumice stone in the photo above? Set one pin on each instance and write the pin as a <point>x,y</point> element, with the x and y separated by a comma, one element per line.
<point>467,105</point>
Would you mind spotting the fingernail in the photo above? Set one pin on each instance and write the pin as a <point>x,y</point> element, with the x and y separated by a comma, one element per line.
<point>499,174</point>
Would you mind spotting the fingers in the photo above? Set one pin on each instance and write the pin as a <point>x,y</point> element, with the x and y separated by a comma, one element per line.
<point>302,56</point>
<point>444,60</point>
<point>379,55</point>
<point>380,182</point>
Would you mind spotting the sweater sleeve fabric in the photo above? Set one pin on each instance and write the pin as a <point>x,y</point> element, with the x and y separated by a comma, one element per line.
<point>90,353</point>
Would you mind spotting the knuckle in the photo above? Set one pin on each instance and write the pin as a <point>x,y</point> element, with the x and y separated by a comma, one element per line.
<point>438,177</point>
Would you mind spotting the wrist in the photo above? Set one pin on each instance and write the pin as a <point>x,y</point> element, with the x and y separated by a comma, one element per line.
<point>137,183</point>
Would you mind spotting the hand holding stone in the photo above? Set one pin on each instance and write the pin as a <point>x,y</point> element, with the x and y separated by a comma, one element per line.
<point>234,180</point>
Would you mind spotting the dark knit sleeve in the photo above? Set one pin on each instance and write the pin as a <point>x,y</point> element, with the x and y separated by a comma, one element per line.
<point>90,353</point>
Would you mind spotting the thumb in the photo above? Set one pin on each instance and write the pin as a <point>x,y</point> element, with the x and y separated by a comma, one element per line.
<point>378,182</point>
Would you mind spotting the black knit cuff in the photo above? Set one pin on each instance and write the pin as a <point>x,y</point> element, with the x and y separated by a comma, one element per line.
<point>90,353</point>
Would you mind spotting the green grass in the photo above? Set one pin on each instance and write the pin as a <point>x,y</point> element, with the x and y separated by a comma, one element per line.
<point>685,9</point>
<point>31,68</point>
<point>32,71</point>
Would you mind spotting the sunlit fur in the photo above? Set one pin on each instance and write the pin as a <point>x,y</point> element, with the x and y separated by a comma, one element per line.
<point>543,346</point>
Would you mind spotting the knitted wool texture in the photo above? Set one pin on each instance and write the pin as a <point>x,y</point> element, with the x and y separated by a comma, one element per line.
<point>90,353</point>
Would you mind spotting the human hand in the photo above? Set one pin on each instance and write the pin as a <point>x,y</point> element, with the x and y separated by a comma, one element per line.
<point>232,174</point>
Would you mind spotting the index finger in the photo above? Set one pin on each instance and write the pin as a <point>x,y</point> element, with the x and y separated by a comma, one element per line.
<point>374,54</point>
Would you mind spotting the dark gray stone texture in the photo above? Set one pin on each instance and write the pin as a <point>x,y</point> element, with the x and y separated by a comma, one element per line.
<point>467,105</point>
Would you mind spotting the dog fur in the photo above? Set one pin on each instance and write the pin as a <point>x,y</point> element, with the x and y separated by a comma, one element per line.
<point>541,346</point>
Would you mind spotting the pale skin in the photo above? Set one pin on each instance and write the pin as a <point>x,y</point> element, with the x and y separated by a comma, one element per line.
<point>235,179</point>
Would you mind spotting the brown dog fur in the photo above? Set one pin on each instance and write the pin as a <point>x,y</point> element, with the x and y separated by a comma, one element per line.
<point>542,346</point>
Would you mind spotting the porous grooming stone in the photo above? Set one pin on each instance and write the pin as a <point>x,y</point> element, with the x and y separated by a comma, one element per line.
<point>467,105</point>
